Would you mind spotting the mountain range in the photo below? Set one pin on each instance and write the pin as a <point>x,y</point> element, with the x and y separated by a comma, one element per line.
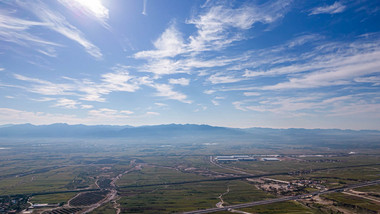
<point>190,133</point>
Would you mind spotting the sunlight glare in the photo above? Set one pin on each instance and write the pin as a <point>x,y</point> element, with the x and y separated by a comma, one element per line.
<point>95,7</point>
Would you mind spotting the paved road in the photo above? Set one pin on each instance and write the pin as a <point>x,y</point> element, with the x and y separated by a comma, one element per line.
<point>255,203</point>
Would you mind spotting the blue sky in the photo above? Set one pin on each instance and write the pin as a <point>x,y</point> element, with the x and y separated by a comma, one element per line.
<point>280,64</point>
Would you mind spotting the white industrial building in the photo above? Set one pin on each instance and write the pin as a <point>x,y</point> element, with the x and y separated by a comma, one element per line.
<point>270,159</point>
<point>232,158</point>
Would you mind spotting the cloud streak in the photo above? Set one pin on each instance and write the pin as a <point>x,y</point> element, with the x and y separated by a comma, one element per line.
<point>15,30</point>
<point>144,8</point>
<point>337,7</point>
<point>57,22</point>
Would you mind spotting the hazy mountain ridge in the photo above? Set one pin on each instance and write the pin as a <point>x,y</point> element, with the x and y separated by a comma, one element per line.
<point>192,133</point>
<point>65,130</point>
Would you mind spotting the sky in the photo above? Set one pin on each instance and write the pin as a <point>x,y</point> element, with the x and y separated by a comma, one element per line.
<point>277,64</point>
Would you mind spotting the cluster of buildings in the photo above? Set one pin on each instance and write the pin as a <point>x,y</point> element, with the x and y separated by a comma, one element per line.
<point>12,204</point>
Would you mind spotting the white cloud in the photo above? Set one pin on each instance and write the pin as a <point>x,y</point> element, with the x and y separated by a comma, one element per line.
<point>46,87</point>
<point>126,112</point>
<point>43,99</point>
<point>248,94</point>
<point>215,102</point>
<point>214,25</point>
<point>160,104</point>
<point>186,64</point>
<point>337,71</point>
<point>169,44</point>
<point>110,82</point>
<point>209,91</point>
<point>372,79</point>
<point>180,81</point>
<point>222,78</point>
<point>239,106</point>
<point>152,113</point>
<point>119,81</point>
<point>165,67</point>
<point>86,106</point>
<point>337,7</point>
<point>165,90</point>
<point>322,64</point>
<point>67,103</point>
<point>51,52</point>
<point>106,113</point>
<point>301,40</point>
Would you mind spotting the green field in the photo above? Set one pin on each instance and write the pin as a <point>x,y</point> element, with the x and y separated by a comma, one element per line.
<point>352,202</point>
<point>186,197</point>
<point>52,198</point>
<point>290,207</point>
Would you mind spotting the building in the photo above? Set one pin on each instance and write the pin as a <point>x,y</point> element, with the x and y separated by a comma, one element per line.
<point>247,159</point>
<point>234,158</point>
<point>227,159</point>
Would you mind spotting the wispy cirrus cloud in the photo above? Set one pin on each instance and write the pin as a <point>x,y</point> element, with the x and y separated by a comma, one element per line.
<point>15,30</point>
<point>84,89</point>
<point>223,78</point>
<point>46,87</point>
<point>248,94</point>
<point>110,113</point>
<point>337,70</point>
<point>118,81</point>
<point>313,104</point>
<point>337,7</point>
<point>323,64</point>
<point>375,80</point>
<point>57,22</point>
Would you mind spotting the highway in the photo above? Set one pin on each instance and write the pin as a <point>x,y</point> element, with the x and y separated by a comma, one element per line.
<point>289,198</point>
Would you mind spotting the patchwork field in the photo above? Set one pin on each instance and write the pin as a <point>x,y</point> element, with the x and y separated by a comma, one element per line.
<point>149,178</point>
